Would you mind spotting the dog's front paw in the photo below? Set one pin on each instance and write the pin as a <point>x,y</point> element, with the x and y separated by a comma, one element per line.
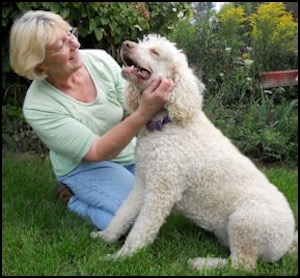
<point>199,263</point>
<point>113,257</point>
<point>108,257</point>
<point>118,256</point>
<point>109,238</point>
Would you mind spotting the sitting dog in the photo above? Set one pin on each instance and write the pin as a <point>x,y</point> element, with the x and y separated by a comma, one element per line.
<point>184,163</point>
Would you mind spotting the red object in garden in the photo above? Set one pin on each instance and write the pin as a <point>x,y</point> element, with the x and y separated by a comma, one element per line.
<point>280,78</point>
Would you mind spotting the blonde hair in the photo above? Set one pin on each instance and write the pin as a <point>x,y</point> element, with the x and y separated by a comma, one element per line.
<point>29,36</point>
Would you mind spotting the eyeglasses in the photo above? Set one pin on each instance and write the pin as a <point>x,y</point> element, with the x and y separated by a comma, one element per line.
<point>73,33</point>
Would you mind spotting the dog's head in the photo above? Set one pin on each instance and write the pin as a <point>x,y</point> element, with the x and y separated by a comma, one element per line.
<point>149,59</point>
<point>153,57</point>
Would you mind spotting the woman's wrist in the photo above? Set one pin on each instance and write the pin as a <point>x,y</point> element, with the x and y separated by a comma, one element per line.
<point>140,118</point>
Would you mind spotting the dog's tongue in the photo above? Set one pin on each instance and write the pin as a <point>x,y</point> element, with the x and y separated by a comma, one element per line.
<point>135,71</point>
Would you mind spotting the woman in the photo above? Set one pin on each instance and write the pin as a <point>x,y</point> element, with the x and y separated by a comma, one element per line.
<point>75,106</point>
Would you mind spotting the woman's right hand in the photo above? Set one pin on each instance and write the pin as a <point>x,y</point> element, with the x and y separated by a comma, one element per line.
<point>153,98</point>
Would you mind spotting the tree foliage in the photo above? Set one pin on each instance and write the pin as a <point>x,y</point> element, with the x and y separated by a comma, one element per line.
<point>273,35</point>
<point>249,7</point>
<point>201,9</point>
<point>232,21</point>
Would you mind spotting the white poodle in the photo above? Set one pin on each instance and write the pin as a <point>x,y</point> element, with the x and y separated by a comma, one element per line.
<point>185,163</point>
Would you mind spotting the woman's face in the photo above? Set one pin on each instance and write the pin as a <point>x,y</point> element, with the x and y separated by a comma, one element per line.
<point>63,55</point>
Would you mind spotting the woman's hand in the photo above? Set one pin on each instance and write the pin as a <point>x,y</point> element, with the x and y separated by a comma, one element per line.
<point>153,98</point>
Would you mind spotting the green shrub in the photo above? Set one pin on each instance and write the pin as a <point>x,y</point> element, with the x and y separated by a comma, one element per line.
<point>274,37</point>
<point>263,131</point>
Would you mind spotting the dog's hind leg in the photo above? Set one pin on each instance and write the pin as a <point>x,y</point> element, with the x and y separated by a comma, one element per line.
<point>257,230</point>
<point>239,238</point>
<point>245,238</point>
<point>244,254</point>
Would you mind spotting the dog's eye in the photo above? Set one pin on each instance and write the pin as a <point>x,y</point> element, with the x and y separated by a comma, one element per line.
<point>154,52</point>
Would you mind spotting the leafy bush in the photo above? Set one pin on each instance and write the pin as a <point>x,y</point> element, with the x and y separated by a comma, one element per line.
<point>263,131</point>
<point>17,136</point>
<point>274,37</point>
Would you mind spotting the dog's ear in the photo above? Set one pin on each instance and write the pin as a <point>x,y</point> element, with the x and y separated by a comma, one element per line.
<point>132,96</point>
<point>186,98</point>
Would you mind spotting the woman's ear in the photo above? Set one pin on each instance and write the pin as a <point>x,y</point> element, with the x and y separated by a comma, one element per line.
<point>40,68</point>
<point>132,96</point>
<point>186,98</point>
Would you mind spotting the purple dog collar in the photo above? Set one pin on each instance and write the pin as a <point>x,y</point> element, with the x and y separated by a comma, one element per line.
<point>158,124</point>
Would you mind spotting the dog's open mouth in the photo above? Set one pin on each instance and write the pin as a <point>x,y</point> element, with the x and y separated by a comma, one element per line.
<point>133,70</point>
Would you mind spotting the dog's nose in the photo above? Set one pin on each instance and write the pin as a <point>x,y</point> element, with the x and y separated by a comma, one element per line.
<point>128,44</point>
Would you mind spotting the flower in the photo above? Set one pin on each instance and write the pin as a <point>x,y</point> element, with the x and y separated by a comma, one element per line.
<point>248,62</point>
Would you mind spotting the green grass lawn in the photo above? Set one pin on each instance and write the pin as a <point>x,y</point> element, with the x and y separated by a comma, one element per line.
<point>40,237</point>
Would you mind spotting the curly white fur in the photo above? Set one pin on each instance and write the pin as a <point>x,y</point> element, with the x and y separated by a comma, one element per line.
<point>191,167</point>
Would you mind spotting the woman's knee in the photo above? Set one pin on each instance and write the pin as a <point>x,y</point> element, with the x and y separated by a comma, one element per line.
<point>106,186</point>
